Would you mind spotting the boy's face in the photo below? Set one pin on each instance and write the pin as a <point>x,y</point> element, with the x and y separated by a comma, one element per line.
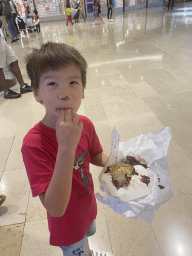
<point>60,89</point>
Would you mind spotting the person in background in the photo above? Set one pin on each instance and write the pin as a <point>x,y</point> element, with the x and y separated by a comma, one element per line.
<point>170,2</point>
<point>14,13</point>
<point>68,12</point>
<point>37,21</point>
<point>110,9</point>
<point>8,15</point>
<point>4,25</point>
<point>8,58</point>
<point>81,9</point>
<point>97,11</point>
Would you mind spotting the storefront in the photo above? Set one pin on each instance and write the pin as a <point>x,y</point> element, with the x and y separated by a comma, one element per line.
<point>55,9</point>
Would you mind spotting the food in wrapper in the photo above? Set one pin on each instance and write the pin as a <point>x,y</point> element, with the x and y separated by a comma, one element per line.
<point>150,184</point>
<point>122,172</point>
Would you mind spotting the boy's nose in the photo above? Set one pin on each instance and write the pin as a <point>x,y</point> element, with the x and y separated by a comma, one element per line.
<point>64,97</point>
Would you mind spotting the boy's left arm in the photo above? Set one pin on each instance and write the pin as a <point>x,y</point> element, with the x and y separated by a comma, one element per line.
<point>99,159</point>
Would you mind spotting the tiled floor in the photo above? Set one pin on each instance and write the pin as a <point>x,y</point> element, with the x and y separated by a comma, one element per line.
<point>139,80</point>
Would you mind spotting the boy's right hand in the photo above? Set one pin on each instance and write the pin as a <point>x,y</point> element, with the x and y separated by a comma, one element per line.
<point>68,130</point>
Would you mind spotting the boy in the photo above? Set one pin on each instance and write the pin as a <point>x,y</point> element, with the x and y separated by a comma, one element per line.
<point>58,150</point>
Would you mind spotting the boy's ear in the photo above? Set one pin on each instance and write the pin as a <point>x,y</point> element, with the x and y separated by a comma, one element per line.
<point>36,95</point>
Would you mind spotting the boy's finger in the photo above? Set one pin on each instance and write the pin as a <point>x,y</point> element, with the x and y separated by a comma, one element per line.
<point>61,114</point>
<point>81,125</point>
<point>68,115</point>
<point>75,118</point>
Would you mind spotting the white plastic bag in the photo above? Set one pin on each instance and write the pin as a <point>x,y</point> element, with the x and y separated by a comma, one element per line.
<point>153,148</point>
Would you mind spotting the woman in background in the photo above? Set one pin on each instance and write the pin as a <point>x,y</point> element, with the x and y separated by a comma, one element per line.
<point>109,6</point>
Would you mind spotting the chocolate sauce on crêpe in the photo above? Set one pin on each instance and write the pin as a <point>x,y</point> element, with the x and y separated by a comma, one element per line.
<point>145,179</point>
<point>132,161</point>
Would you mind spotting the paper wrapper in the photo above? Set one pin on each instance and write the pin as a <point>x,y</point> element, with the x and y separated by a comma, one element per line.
<point>142,201</point>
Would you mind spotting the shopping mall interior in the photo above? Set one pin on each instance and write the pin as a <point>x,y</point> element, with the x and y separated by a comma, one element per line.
<point>139,81</point>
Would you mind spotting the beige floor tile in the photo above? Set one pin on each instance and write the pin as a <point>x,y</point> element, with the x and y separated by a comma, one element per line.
<point>95,111</point>
<point>110,70</point>
<point>36,240</point>
<point>179,162</point>
<point>15,160</point>
<point>163,88</point>
<point>128,236</point>
<point>187,200</point>
<point>144,90</point>
<point>126,92</point>
<point>6,144</point>
<point>101,82</point>
<point>108,94</point>
<point>136,107</point>
<point>11,239</point>
<point>173,228</point>
<point>187,96</point>
<point>15,207</point>
<point>117,80</point>
<point>125,127</point>
<point>37,112</point>
<point>90,83</point>
<point>101,239</point>
<point>96,71</point>
<point>10,119</point>
<point>35,209</point>
<point>147,123</point>
<point>3,104</point>
<point>92,96</point>
<point>115,110</point>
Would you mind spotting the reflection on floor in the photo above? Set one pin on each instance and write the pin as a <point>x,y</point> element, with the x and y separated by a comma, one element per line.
<point>139,80</point>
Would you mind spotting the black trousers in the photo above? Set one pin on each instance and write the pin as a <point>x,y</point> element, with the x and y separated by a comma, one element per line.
<point>109,11</point>
<point>170,2</point>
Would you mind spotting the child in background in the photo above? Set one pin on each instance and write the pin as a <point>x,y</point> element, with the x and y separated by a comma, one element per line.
<point>68,12</point>
<point>58,150</point>
<point>37,21</point>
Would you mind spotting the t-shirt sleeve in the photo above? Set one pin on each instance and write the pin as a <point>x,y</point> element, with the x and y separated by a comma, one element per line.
<point>94,143</point>
<point>38,167</point>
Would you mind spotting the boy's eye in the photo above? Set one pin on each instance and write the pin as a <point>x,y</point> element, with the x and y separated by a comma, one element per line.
<point>73,82</point>
<point>51,84</point>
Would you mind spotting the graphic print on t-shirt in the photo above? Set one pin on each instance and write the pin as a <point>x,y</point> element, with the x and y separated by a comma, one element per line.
<point>79,162</point>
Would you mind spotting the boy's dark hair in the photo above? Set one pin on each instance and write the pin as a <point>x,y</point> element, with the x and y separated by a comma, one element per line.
<point>67,5</point>
<point>53,56</point>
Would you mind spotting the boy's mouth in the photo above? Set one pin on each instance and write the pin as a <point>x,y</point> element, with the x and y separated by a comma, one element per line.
<point>63,108</point>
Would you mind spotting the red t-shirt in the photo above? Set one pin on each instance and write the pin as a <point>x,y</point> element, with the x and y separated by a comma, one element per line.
<point>39,152</point>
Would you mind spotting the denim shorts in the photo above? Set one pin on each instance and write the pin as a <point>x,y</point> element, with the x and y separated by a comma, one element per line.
<point>80,248</point>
